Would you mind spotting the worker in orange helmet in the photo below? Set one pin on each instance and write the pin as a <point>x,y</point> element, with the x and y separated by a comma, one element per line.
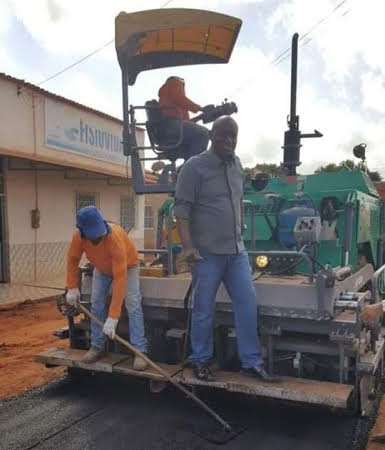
<point>115,258</point>
<point>175,108</point>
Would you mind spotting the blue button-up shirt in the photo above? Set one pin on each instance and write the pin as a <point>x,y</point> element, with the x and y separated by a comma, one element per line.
<point>209,194</point>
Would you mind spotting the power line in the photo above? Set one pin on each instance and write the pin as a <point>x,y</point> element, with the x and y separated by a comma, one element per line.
<point>79,61</point>
<point>276,61</point>
<point>76,63</point>
<point>287,52</point>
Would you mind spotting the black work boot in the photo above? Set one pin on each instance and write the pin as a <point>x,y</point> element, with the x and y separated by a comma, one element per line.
<point>202,371</point>
<point>260,373</point>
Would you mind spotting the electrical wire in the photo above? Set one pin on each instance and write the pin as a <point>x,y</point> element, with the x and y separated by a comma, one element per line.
<point>79,61</point>
<point>305,39</point>
<point>276,61</point>
<point>76,63</point>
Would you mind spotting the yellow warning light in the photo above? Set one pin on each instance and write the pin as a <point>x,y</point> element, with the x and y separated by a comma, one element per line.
<point>261,261</point>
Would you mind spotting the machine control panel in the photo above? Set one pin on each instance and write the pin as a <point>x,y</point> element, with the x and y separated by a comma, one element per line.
<point>307,229</point>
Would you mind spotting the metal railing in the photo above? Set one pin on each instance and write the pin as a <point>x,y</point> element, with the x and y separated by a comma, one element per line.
<point>157,147</point>
<point>169,249</point>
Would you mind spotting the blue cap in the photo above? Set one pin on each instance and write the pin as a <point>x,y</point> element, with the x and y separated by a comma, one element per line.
<point>91,222</point>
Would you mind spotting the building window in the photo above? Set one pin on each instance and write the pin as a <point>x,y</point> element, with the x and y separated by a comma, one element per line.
<point>127,212</point>
<point>148,218</point>
<point>86,199</point>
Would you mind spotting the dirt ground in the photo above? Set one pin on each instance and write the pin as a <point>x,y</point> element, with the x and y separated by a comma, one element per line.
<point>25,330</point>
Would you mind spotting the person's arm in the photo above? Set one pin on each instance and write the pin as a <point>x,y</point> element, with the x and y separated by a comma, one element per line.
<point>178,97</point>
<point>242,217</point>
<point>243,226</point>
<point>132,253</point>
<point>73,259</point>
<point>185,197</point>
<point>190,253</point>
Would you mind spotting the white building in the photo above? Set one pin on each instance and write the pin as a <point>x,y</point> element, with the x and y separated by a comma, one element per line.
<point>55,157</point>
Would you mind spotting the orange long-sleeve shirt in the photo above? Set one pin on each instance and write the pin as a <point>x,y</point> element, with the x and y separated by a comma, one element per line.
<point>112,256</point>
<point>172,94</point>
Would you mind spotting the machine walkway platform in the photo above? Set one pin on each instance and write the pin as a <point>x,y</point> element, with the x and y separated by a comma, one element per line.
<point>298,390</point>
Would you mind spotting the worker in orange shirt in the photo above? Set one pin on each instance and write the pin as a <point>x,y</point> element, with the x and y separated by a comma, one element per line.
<point>175,108</point>
<point>115,260</point>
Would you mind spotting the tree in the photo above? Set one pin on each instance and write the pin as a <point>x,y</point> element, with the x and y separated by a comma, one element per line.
<point>271,169</point>
<point>375,176</point>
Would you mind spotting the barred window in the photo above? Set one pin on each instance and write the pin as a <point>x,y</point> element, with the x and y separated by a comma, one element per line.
<point>127,212</point>
<point>86,199</point>
<point>148,218</point>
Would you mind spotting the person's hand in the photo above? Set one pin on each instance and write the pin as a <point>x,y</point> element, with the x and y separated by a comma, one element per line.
<point>372,313</point>
<point>191,255</point>
<point>73,296</point>
<point>109,327</point>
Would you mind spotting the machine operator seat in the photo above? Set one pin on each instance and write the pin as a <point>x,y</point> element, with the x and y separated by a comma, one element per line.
<point>155,129</point>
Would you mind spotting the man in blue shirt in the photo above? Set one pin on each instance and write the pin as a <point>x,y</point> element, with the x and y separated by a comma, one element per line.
<point>208,208</point>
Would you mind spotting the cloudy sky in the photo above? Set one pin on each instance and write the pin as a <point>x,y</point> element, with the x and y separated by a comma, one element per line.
<point>341,67</point>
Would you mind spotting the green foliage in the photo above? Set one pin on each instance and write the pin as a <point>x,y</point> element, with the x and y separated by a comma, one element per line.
<point>271,169</point>
<point>348,163</point>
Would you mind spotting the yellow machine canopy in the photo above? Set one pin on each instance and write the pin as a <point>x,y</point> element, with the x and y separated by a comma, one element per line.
<point>160,38</point>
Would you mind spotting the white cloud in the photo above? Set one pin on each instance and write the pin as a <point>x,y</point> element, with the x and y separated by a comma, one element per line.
<point>298,15</point>
<point>373,92</point>
<point>80,88</point>
<point>348,39</point>
<point>72,28</point>
<point>77,27</point>
<point>7,64</point>
<point>5,18</point>
<point>354,30</point>
<point>69,27</point>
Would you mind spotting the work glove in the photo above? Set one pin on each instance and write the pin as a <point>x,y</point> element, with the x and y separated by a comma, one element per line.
<point>73,296</point>
<point>109,327</point>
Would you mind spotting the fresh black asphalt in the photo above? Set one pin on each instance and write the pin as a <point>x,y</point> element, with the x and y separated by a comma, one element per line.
<point>102,412</point>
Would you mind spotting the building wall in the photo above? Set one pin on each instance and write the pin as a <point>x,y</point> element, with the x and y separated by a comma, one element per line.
<point>16,121</point>
<point>38,254</point>
<point>23,129</point>
<point>155,201</point>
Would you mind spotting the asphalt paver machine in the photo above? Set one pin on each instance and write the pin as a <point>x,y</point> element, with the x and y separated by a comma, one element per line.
<point>315,243</point>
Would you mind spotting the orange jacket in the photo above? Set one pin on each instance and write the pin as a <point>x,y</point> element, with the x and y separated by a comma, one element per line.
<point>172,93</point>
<point>113,256</point>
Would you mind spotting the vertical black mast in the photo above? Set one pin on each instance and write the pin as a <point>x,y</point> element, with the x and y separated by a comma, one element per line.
<point>292,137</point>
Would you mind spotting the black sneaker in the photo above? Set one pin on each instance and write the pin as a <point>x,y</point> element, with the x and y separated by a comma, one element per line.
<point>203,372</point>
<point>260,372</point>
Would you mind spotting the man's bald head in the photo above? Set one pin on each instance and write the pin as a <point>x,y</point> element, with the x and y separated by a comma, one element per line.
<point>224,137</point>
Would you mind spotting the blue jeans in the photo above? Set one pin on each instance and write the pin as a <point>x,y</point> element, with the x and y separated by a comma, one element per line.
<point>235,272</point>
<point>101,284</point>
<point>195,137</point>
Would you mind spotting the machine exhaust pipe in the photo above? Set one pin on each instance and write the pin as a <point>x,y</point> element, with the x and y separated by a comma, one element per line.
<point>292,137</point>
